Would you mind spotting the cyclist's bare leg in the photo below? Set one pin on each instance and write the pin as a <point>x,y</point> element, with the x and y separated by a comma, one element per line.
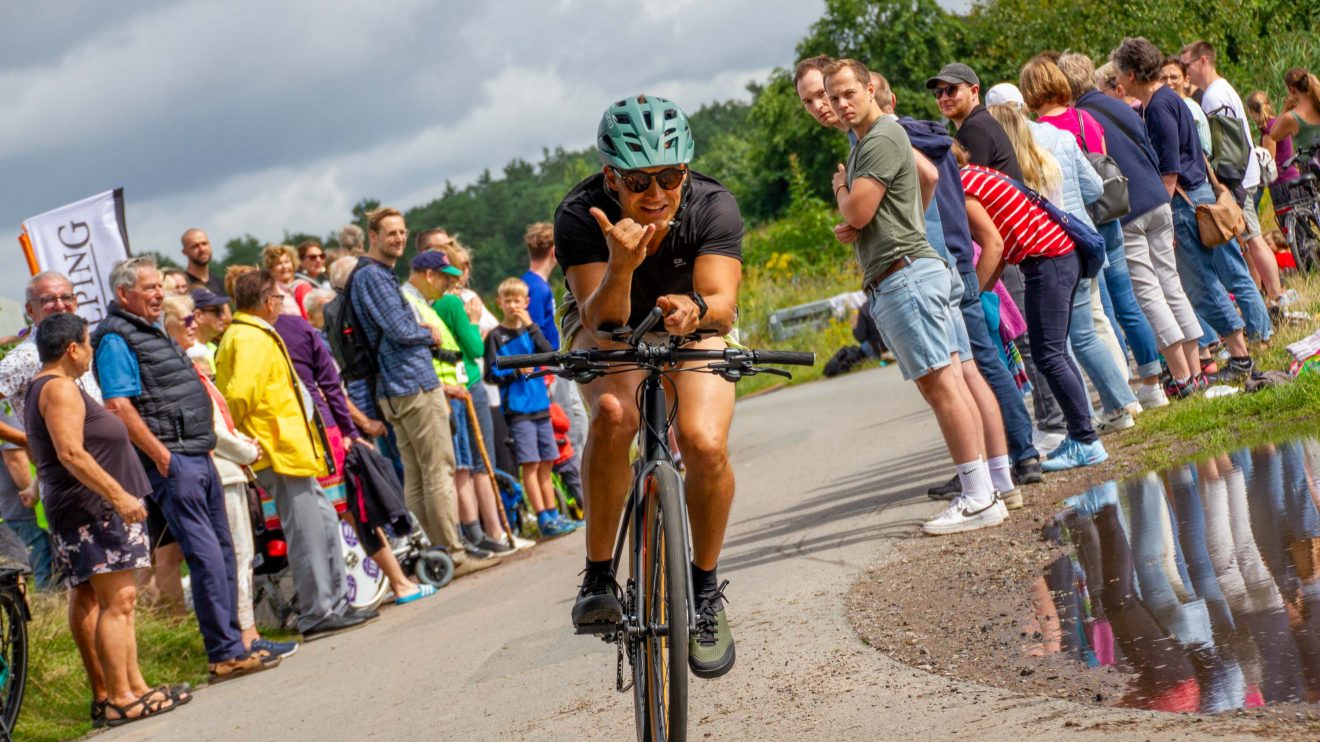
<point>705,411</point>
<point>606,470</point>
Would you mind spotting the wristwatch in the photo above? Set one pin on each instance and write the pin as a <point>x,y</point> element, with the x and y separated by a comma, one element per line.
<point>701,304</point>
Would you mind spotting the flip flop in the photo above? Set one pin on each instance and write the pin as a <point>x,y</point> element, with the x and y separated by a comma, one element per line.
<point>423,591</point>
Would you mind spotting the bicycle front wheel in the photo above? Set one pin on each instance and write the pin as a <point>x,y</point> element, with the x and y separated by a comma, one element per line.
<point>660,671</point>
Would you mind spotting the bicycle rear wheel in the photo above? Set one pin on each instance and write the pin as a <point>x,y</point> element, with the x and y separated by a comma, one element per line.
<point>13,657</point>
<point>1304,237</point>
<point>660,671</point>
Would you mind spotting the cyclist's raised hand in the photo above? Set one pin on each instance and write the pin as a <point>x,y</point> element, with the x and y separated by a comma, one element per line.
<point>627,241</point>
<point>681,314</point>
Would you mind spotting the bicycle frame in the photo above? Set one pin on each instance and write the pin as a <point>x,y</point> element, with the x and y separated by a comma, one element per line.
<point>653,450</point>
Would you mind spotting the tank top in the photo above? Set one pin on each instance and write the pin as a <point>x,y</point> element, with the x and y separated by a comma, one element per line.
<point>1307,136</point>
<point>69,503</point>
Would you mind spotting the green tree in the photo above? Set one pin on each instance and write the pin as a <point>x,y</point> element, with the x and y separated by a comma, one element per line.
<point>245,250</point>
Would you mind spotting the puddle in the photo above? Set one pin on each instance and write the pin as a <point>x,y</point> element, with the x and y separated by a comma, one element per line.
<point>1201,582</point>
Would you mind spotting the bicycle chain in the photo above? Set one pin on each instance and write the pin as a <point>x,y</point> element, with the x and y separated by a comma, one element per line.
<point>621,644</point>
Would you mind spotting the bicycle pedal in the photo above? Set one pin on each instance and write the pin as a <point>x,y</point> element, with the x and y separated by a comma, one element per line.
<point>595,629</point>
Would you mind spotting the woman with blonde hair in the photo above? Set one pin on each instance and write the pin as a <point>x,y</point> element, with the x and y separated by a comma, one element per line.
<point>282,261</point>
<point>1301,112</point>
<point>1051,158</point>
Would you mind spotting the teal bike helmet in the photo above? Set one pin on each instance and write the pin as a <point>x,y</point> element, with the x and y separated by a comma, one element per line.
<point>644,131</point>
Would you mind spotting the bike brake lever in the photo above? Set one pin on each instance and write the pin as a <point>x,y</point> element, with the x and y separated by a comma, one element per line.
<point>773,371</point>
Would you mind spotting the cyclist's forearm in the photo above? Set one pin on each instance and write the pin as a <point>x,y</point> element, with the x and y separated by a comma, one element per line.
<point>611,302</point>
<point>721,313</point>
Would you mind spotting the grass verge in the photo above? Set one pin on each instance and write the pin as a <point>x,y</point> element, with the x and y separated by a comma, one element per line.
<point>57,702</point>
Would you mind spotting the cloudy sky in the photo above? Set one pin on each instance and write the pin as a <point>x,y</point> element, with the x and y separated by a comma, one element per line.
<point>244,116</point>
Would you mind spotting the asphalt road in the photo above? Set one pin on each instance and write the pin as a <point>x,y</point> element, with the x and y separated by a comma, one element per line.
<point>830,475</point>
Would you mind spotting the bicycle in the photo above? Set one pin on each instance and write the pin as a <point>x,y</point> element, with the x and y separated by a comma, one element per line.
<point>1299,215</point>
<point>659,608</point>
<point>14,615</point>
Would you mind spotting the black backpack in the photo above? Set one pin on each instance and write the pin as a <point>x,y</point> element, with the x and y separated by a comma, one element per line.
<point>348,343</point>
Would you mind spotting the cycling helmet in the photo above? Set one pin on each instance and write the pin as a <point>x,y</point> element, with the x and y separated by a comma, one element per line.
<point>644,131</point>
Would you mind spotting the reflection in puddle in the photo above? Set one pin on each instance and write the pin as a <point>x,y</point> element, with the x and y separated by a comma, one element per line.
<point>1203,581</point>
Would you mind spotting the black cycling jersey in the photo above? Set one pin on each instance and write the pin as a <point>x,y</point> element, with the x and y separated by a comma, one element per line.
<point>709,223</point>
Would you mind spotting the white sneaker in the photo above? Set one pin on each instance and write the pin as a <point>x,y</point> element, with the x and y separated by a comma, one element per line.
<point>960,516</point>
<point>1134,408</point>
<point>520,543</point>
<point>1113,422</point>
<point>1151,396</point>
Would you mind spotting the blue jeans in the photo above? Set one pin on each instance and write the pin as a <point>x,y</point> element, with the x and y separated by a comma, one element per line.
<point>1017,423</point>
<point>193,502</point>
<point>1117,286</point>
<point>1210,275</point>
<point>1106,377</point>
<point>1049,286</point>
<point>481,403</point>
<point>37,542</point>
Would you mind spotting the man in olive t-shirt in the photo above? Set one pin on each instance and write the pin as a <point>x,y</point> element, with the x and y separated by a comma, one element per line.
<point>882,194</point>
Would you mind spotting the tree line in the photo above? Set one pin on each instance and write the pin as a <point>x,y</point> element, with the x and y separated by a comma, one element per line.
<point>777,161</point>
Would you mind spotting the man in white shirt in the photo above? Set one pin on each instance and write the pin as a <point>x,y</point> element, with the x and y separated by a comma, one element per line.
<point>1220,97</point>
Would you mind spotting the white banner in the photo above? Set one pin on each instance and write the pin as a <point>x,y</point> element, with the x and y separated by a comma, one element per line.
<point>83,241</point>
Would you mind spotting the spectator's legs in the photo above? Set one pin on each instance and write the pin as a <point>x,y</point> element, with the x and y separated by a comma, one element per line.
<point>240,529</point>
<point>488,500</point>
<point>1231,267</point>
<point>548,492</point>
<point>37,543</point>
<point>1049,415</point>
<point>1050,286</point>
<point>1016,423</point>
<point>311,530</point>
<point>571,473</point>
<point>421,422</point>
<point>116,639</point>
<point>1196,268</point>
<point>462,443</point>
<point>1107,329</point>
<point>1259,254</point>
<point>193,502</point>
<point>1148,246</point>
<point>384,557</point>
<point>1094,357</point>
<point>84,612</point>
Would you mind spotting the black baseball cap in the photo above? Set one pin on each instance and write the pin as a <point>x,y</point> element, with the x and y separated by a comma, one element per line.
<point>954,73</point>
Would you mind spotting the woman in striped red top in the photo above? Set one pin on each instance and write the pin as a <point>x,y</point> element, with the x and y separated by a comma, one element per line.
<point>1011,229</point>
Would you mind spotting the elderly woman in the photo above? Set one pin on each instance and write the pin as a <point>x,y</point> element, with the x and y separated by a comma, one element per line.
<point>282,260</point>
<point>233,453</point>
<point>93,490</point>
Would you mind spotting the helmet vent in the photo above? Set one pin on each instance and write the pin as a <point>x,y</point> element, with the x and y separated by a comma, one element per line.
<point>622,119</point>
<point>647,120</point>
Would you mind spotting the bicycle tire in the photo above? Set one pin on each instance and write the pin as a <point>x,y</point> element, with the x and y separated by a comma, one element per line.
<point>1304,237</point>
<point>660,668</point>
<point>14,653</point>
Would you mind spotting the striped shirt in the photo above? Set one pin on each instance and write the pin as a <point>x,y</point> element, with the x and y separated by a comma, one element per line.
<point>1027,230</point>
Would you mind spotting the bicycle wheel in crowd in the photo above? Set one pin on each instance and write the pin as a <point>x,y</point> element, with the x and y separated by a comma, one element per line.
<point>660,669</point>
<point>1304,236</point>
<point>13,658</point>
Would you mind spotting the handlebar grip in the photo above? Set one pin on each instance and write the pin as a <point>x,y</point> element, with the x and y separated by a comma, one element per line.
<point>785,357</point>
<point>526,361</point>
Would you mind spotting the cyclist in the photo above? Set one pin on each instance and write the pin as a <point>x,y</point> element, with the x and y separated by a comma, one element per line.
<point>646,232</point>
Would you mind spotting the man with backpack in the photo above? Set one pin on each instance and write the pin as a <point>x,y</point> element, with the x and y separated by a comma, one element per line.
<point>385,332</point>
<point>1232,160</point>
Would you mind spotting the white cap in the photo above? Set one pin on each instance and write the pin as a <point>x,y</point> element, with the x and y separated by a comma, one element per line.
<point>1004,92</point>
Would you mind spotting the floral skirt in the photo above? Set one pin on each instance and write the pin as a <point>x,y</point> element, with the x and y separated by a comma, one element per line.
<point>105,545</point>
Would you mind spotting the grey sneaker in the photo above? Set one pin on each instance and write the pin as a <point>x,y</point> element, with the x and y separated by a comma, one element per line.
<point>710,647</point>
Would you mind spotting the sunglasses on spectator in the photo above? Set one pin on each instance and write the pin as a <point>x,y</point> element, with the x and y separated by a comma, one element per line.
<point>314,256</point>
<point>49,301</point>
<point>945,91</point>
<point>639,181</point>
<point>190,320</point>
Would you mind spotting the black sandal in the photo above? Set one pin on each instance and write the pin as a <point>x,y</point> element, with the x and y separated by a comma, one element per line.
<point>98,714</point>
<point>152,703</point>
<point>180,693</point>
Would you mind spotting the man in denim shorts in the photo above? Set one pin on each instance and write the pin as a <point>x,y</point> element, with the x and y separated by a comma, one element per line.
<point>882,195</point>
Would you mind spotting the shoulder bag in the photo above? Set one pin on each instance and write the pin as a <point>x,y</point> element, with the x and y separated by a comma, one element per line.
<point>1220,221</point>
<point>1113,202</point>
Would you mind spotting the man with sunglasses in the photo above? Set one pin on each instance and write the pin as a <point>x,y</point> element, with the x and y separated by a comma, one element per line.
<point>649,232</point>
<point>957,92</point>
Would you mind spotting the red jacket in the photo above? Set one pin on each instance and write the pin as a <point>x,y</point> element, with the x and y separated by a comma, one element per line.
<point>559,420</point>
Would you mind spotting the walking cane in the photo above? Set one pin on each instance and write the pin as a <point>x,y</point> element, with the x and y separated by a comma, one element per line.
<point>475,426</point>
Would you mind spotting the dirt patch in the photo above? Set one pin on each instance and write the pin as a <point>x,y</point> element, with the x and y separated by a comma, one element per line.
<point>961,607</point>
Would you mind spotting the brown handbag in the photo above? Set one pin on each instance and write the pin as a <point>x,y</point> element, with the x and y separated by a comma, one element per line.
<point>1220,221</point>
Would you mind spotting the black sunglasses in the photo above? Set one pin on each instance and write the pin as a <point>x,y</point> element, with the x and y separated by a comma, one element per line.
<point>947,90</point>
<point>639,181</point>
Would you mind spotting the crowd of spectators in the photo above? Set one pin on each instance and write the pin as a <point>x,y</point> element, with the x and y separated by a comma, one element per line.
<point>1056,232</point>
<point>154,434</point>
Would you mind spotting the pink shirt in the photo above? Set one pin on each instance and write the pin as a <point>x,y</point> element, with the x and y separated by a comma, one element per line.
<point>1068,121</point>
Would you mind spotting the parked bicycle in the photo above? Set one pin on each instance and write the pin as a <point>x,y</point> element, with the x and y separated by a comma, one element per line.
<point>14,616</point>
<point>1299,215</point>
<point>659,610</point>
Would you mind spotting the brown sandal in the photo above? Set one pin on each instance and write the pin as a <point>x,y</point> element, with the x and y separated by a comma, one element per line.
<point>152,703</point>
